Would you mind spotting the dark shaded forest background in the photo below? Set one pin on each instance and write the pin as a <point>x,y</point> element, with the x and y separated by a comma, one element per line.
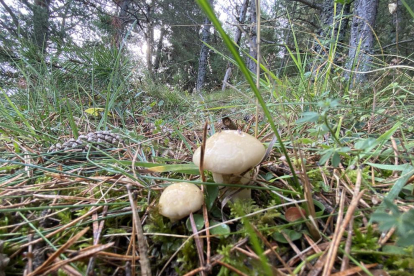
<point>82,43</point>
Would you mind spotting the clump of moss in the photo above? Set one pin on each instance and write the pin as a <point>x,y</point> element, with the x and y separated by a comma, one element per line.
<point>187,257</point>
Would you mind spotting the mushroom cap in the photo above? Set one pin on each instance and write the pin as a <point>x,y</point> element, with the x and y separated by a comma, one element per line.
<point>179,200</point>
<point>230,152</point>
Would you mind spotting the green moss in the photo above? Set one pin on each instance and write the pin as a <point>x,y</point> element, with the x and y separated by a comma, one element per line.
<point>187,257</point>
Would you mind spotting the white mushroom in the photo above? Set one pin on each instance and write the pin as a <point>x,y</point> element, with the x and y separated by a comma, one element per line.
<point>228,155</point>
<point>179,200</point>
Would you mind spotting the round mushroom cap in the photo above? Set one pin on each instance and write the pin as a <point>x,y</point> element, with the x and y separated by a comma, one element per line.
<point>230,152</point>
<point>179,200</point>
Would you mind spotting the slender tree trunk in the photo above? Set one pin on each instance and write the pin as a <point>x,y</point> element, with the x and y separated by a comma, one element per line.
<point>253,36</point>
<point>158,53</point>
<point>123,20</point>
<point>242,16</point>
<point>41,16</point>
<point>365,12</point>
<point>62,32</point>
<point>149,39</point>
<point>237,39</point>
<point>202,64</point>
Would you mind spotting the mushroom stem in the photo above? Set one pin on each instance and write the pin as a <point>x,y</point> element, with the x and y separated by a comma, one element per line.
<point>235,193</point>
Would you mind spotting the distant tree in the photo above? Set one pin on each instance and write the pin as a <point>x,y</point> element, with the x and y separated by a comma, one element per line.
<point>121,21</point>
<point>362,37</point>
<point>41,15</point>
<point>251,64</point>
<point>149,34</point>
<point>178,58</point>
<point>237,38</point>
<point>202,64</point>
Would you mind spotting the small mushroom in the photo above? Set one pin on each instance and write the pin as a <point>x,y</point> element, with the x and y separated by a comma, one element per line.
<point>179,200</point>
<point>230,155</point>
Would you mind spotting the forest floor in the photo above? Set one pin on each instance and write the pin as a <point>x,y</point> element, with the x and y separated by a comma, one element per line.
<point>69,208</point>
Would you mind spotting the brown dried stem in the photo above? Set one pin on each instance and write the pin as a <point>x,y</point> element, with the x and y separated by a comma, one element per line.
<point>142,246</point>
<point>340,229</point>
<point>199,244</point>
<point>57,253</point>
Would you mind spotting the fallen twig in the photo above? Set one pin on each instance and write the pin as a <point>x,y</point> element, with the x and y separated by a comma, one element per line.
<point>142,247</point>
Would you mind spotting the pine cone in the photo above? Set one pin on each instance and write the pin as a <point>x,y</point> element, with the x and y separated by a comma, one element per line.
<point>101,139</point>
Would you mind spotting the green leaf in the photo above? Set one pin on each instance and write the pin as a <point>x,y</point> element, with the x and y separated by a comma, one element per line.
<point>220,230</point>
<point>199,222</point>
<point>400,183</point>
<point>292,234</point>
<point>320,208</point>
<point>336,159</point>
<point>392,207</point>
<point>328,104</point>
<point>212,194</point>
<point>97,111</point>
<point>304,141</point>
<point>325,157</point>
<point>366,144</point>
<point>344,149</point>
<point>385,221</point>
<point>407,240</point>
<point>408,218</point>
<point>308,117</point>
<point>392,249</point>
<point>388,167</point>
<point>180,168</point>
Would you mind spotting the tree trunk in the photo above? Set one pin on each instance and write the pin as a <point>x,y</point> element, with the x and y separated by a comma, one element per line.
<point>202,64</point>
<point>253,37</point>
<point>237,39</point>
<point>62,32</point>
<point>158,53</point>
<point>365,12</point>
<point>123,17</point>
<point>149,39</point>
<point>41,16</point>
<point>242,16</point>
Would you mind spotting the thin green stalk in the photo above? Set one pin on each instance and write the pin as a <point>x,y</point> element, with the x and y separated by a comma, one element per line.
<point>410,11</point>
<point>23,118</point>
<point>325,118</point>
<point>307,260</point>
<point>208,10</point>
<point>38,232</point>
